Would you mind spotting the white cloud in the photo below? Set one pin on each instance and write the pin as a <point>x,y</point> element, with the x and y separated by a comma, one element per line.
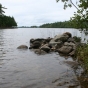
<point>36,12</point>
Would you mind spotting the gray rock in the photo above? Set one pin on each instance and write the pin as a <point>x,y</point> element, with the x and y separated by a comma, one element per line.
<point>58,45</point>
<point>64,38</point>
<point>22,47</point>
<point>45,48</point>
<point>65,49</point>
<point>69,44</point>
<point>38,39</point>
<point>60,38</point>
<point>35,45</point>
<point>53,40</point>
<point>69,34</point>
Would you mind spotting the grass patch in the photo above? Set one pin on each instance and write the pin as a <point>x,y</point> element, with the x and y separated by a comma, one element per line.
<point>82,56</point>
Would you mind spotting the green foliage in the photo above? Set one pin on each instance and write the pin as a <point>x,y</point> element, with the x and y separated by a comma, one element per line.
<point>7,22</point>
<point>66,3</point>
<point>82,55</point>
<point>33,27</point>
<point>77,39</point>
<point>65,24</point>
<point>80,18</point>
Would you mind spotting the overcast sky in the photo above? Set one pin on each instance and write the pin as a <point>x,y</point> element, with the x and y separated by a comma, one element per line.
<point>36,12</point>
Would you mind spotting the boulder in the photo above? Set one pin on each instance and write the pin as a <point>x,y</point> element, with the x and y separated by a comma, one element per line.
<point>69,34</point>
<point>64,38</point>
<point>38,39</point>
<point>69,44</point>
<point>45,48</point>
<point>60,38</point>
<point>31,40</point>
<point>55,38</point>
<point>65,49</point>
<point>35,45</point>
<point>59,45</point>
<point>22,47</point>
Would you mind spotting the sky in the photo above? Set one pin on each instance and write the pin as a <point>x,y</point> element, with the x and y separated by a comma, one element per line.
<point>36,12</point>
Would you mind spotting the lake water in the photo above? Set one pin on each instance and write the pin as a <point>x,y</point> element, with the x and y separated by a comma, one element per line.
<point>24,68</point>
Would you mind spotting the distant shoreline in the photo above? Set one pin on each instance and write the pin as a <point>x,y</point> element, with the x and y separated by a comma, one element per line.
<point>7,28</point>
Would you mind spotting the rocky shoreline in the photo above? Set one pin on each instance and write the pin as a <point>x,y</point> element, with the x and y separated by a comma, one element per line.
<point>65,45</point>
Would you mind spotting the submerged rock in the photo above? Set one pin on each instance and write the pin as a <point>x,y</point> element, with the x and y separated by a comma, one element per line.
<point>39,51</point>
<point>72,64</point>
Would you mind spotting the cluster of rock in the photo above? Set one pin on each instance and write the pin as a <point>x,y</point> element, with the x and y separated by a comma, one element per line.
<point>64,44</point>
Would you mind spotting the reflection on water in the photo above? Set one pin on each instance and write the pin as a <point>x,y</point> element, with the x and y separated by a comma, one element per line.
<point>23,68</point>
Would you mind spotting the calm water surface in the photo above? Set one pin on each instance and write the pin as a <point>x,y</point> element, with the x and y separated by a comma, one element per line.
<point>24,68</point>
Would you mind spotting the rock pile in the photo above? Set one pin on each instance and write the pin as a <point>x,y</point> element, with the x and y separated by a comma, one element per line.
<point>64,44</point>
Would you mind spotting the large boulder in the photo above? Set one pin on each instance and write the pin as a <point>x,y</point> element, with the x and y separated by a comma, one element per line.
<point>69,34</point>
<point>65,49</point>
<point>60,38</point>
<point>73,45</point>
<point>35,45</point>
<point>64,38</point>
<point>58,45</point>
<point>69,44</point>
<point>53,41</point>
<point>22,47</point>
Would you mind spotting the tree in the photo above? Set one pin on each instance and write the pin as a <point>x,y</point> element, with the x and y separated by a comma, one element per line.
<point>1,10</point>
<point>6,21</point>
<point>80,18</point>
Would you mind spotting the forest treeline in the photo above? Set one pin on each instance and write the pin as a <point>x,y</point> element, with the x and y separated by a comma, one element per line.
<point>7,22</point>
<point>65,24</point>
